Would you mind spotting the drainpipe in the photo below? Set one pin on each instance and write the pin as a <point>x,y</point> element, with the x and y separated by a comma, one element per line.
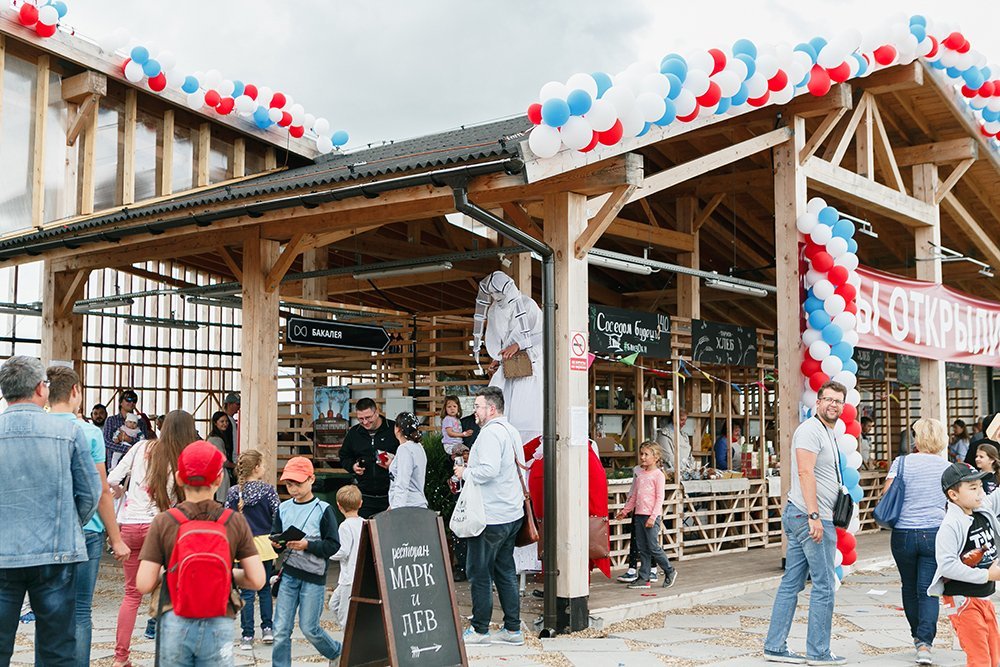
<point>549,564</point>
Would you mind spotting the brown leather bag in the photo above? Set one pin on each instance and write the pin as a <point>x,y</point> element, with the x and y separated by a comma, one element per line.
<point>518,366</point>
<point>528,533</point>
<point>598,537</point>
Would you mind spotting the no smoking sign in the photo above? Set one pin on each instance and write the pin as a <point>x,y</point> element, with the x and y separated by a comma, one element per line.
<point>578,351</point>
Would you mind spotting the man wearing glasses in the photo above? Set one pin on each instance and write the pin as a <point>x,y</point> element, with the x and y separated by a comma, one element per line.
<point>117,442</point>
<point>360,454</point>
<point>812,538</point>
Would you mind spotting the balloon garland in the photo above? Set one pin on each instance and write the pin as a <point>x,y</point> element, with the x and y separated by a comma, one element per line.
<point>592,109</point>
<point>830,309</point>
<point>43,16</point>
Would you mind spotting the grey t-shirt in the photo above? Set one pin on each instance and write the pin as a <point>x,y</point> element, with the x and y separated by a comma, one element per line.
<point>812,435</point>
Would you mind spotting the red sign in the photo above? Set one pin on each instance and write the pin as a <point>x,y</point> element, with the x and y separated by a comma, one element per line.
<point>926,320</point>
<point>578,351</point>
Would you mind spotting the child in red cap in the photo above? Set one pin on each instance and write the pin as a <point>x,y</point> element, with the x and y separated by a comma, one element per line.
<point>184,640</point>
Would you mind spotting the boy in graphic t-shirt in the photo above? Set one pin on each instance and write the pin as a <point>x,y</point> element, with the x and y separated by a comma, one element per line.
<point>967,563</point>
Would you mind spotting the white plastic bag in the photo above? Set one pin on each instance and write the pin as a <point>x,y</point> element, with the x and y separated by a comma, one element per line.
<point>469,517</point>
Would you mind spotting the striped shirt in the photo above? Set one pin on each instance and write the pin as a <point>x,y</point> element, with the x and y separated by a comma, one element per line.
<point>924,502</point>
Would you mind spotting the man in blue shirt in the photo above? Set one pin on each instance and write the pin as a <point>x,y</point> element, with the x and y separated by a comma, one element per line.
<point>723,448</point>
<point>65,397</point>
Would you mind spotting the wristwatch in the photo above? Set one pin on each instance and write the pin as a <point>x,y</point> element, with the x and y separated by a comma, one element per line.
<point>814,515</point>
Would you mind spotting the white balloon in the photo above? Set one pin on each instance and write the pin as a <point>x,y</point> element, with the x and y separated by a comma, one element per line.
<point>701,60</point>
<point>831,55</point>
<point>621,99</point>
<point>651,106</point>
<point>839,428</point>
<point>307,120</point>
<point>854,460</point>
<point>838,558</point>
<point>810,336</point>
<point>321,126</point>
<point>815,205</point>
<point>756,85</point>
<point>783,96</point>
<point>819,350</point>
<point>767,65</point>
<point>576,133</point>
<point>853,397</point>
<point>823,289</point>
<point>544,141</point>
<point>274,114</point>
<point>166,59</point>
<point>832,365</point>
<point>738,68</point>
<point>848,260</point>
<point>822,234</point>
<point>264,95</point>
<point>846,378</point>
<point>836,246</point>
<point>628,80</point>
<point>296,110</point>
<point>48,15</point>
<point>657,84</point>
<point>846,321</point>
<point>196,100</point>
<point>212,79</point>
<point>324,144</point>
<point>854,279</point>
<point>697,82</point>
<point>226,88</point>
<point>848,443</point>
<point>834,305</point>
<point>851,337</point>
<point>633,122</point>
<point>809,398</point>
<point>245,105</point>
<point>685,103</point>
<point>552,90</point>
<point>855,525</point>
<point>133,71</point>
<point>812,277</point>
<point>602,115</point>
<point>583,81</point>
<point>728,82</point>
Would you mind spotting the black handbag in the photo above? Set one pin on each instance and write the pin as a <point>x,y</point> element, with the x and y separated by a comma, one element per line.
<point>843,507</point>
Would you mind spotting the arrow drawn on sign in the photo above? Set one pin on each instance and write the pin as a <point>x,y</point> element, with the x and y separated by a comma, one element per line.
<point>415,651</point>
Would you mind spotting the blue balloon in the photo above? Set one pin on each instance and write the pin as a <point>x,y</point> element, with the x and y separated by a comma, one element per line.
<point>190,84</point>
<point>749,62</point>
<point>817,43</point>
<point>851,366</point>
<point>832,334</point>
<point>844,229</point>
<point>741,96</point>
<point>818,319</point>
<point>579,102</point>
<point>987,73</point>
<point>555,112</point>
<point>746,47</point>
<point>260,114</point>
<point>851,476</point>
<point>842,350</point>
<point>674,64</point>
<point>675,86</point>
<point>151,68</point>
<point>856,493</point>
<point>990,116</point>
<point>807,49</point>
<point>645,129</point>
<point>339,138</point>
<point>238,88</point>
<point>839,571</point>
<point>918,31</point>
<point>60,7</point>
<point>919,20</point>
<point>973,78</point>
<point>669,114</point>
<point>724,105</point>
<point>829,216</point>
<point>812,303</point>
<point>937,64</point>
<point>852,245</point>
<point>953,72</point>
<point>139,54</point>
<point>862,63</point>
<point>603,82</point>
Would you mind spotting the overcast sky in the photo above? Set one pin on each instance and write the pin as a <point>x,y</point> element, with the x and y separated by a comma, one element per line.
<point>390,69</point>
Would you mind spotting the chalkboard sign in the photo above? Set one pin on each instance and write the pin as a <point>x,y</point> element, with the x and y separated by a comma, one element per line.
<point>618,331</point>
<point>907,369</point>
<point>403,610</point>
<point>959,376</point>
<point>723,344</point>
<point>871,363</point>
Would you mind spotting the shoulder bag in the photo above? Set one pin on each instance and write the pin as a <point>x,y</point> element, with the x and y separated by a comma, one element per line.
<point>843,506</point>
<point>890,505</point>
<point>528,532</point>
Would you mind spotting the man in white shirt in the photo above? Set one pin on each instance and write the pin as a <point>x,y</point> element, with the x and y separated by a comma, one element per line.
<point>665,439</point>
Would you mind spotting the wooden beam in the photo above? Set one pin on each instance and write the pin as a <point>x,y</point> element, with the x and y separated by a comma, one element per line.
<point>826,126</point>
<point>322,240</point>
<point>941,152</point>
<point>62,329</point>
<point>893,79</point>
<point>88,165</point>
<point>76,89</point>
<point>239,157</point>
<point>706,213</point>
<point>167,154</point>
<point>927,240</point>
<point>82,118</point>
<point>655,236</point>
<point>979,236</point>
<point>865,143</point>
<point>348,285</point>
<point>521,219</point>
<point>230,261</point>
<point>688,288</point>
<point>604,218</point>
<point>203,148</point>
<point>292,250</point>
<point>127,165</point>
<point>835,152</point>
<point>884,150</point>
<point>73,289</point>
<point>953,179</point>
<point>740,181</point>
<point>156,277</point>
<point>270,159</point>
<point>38,143</point>
<point>839,182</point>
<point>683,172</point>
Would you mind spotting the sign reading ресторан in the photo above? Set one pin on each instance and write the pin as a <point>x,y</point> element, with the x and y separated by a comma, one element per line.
<point>926,320</point>
<point>330,333</point>
<point>619,331</point>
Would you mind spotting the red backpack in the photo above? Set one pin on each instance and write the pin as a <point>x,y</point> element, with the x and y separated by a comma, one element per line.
<point>200,573</point>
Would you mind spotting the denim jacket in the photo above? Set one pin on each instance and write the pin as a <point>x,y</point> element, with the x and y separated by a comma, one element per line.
<point>49,488</point>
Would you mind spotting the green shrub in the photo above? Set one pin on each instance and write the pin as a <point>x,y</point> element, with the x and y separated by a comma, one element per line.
<point>440,468</point>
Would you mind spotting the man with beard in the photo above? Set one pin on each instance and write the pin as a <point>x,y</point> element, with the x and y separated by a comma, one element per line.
<point>99,415</point>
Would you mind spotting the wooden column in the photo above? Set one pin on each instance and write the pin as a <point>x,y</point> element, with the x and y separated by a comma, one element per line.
<point>688,287</point>
<point>239,157</point>
<point>259,358</point>
<point>127,165</point>
<point>167,154</point>
<point>62,329</point>
<point>520,271</point>
<point>933,390</point>
<point>202,163</point>
<point>565,220</point>
<point>789,203</point>
<point>38,142</point>
<point>314,289</point>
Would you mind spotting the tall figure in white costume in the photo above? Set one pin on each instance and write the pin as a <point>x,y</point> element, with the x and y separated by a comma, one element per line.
<point>513,322</point>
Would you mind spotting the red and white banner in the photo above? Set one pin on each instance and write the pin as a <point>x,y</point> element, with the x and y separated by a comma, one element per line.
<point>926,320</point>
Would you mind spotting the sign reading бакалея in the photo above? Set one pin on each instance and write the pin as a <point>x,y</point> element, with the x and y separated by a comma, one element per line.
<point>623,332</point>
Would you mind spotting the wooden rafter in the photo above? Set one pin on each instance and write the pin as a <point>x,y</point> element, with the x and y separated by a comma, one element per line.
<point>835,152</point>
<point>230,261</point>
<point>656,236</point>
<point>82,117</point>
<point>973,230</point>
<point>705,213</point>
<point>72,292</point>
<point>952,179</point>
<point>604,218</point>
<point>821,134</point>
<point>521,219</point>
<point>280,267</point>
<point>648,210</point>
<point>893,79</point>
<point>939,152</point>
<point>884,151</point>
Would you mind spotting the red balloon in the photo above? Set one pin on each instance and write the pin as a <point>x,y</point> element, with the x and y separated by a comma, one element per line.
<point>760,101</point>
<point>778,81</point>
<point>964,48</point>
<point>884,55</point>
<point>158,82</point>
<point>838,276</point>
<point>850,558</point>
<point>985,132</point>
<point>535,113</point>
<point>593,143</point>
<point>986,90</point>
<point>711,96</point>
<point>847,291</point>
<point>812,248</point>
<point>822,261</point>
<point>719,59</point>
<point>840,73</point>
<point>28,15</point>
<point>954,41</point>
<point>277,101</point>
<point>849,414</point>
<point>851,308</point>
<point>846,542</point>
<point>819,81</point>
<point>286,119</point>
<point>810,366</point>
<point>611,136</point>
<point>969,93</point>
<point>45,30</point>
<point>854,429</point>
<point>690,117</point>
<point>934,47</point>
<point>125,64</point>
<point>296,131</point>
<point>816,380</point>
<point>225,106</point>
<point>250,91</point>
<point>212,98</point>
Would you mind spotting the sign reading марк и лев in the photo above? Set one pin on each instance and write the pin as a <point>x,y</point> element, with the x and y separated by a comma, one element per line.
<point>623,332</point>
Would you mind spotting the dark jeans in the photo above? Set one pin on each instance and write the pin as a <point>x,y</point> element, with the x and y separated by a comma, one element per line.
<point>372,505</point>
<point>86,580</point>
<point>461,547</point>
<point>51,590</point>
<point>649,548</point>
<point>266,603</point>
<point>633,549</point>
<point>913,551</point>
<point>491,561</point>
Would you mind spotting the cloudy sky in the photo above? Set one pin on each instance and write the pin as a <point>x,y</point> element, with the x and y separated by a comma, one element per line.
<point>390,69</point>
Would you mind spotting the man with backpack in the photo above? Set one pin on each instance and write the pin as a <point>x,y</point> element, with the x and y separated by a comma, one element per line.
<point>197,542</point>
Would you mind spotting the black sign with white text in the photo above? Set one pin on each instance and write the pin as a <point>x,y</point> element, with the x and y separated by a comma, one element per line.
<point>723,344</point>
<point>330,333</point>
<point>871,363</point>
<point>623,332</point>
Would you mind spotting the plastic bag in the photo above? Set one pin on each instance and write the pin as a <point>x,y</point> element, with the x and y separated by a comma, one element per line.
<point>469,517</point>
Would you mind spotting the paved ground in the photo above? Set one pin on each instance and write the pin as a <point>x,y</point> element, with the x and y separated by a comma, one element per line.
<point>722,622</point>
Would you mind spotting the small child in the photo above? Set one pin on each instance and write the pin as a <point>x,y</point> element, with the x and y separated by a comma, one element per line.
<point>967,566</point>
<point>349,502</point>
<point>130,429</point>
<point>646,499</point>
<point>451,424</point>
<point>199,473</point>
<point>257,501</point>
<point>303,577</point>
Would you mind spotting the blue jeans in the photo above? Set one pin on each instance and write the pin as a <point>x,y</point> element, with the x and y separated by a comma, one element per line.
<point>648,546</point>
<point>86,580</point>
<point>266,603</point>
<point>50,589</point>
<point>804,557</point>
<point>294,593</point>
<point>491,561</point>
<point>913,551</point>
<point>194,642</point>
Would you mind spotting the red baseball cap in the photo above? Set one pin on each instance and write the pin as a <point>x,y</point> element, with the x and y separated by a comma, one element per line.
<point>200,464</point>
<point>298,469</point>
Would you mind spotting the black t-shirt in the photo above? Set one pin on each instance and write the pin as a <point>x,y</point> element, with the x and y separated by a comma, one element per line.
<point>360,445</point>
<point>980,537</point>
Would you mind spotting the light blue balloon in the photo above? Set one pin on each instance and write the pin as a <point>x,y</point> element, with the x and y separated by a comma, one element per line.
<point>973,78</point>
<point>839,571</point>
<point>674,64</point>
<point>744,46</point>
<point>669,114</point>
<point>645,129</point>
<point>139,54</point>
<point>852,245</point>
<point>579,102</point>
<point>238,88</point>
<point>851,477</point>
<point>675,86</point>
<point>862,63</point>
<point>190,84</point>
<point>339,138</point>
<point>817,43</point>
<point>829,216</point>
<point>749,62</point>
<point>937,64</point>
<point>844,229</point>
<point>151,68</point>
<point>603,82</point>
<point>812,303</point>
<point>990,116</point>
<point>919,20</point>
<point>851,366</point>
<point>832,334</point>
<point>842,350</point>
<point>954,72</point>
<point>741,96</point>
<point>819,319</point>
<point>918,31</point>
<point>807,49</point>
<point>555,112</point>
<point>60,7</point>
<point>724,105</point>
<point>856,493</point>
<point>260,115</point>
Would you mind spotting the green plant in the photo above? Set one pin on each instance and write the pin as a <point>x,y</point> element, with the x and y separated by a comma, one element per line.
<point>440,468</point>
<point>619,473</point>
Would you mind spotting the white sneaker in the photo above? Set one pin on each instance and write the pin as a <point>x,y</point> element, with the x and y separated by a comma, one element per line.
<point>246,644</point>
<point>505,636</point>
<point>470,636</point>
<point>924,655</point>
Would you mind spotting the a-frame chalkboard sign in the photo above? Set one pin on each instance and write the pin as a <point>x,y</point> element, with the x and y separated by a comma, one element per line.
<point>403,611</point>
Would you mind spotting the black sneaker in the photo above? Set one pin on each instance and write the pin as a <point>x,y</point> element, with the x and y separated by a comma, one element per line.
<point>150,632</point>
<point>669,578</point>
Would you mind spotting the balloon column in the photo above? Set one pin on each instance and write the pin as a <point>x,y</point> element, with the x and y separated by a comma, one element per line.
<point>596,108</point>
<point>42,15</point>
<point>830,310</point>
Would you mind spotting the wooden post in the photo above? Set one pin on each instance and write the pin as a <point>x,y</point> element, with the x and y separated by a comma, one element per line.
<point>239,157</point>
<point>789,203</point>
<point>88,164</point>
<point>933,391</point>
<point>520,271</point>
<point>202,162</point>
<point>38,143</point>
<point>314,289</point>
<point>62,329</point>
<point>688,287</point>
<point>259,358</point>
<point>127,165</point>
<point>167,154</point>
<point>565,220</point>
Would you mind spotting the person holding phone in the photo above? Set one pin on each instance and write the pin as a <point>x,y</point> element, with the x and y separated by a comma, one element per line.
<point>359,455</point>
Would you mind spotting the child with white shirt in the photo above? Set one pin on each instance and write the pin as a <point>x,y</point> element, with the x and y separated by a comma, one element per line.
<point>348,502</point>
